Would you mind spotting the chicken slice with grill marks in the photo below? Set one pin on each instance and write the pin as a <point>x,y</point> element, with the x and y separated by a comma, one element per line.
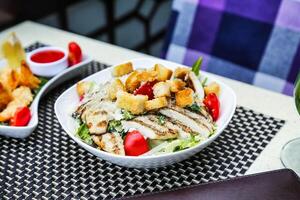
<point>110,142</point>
<point>96,120</point>
<point>186,120</point>
<point>148,126</point>
<point>183,131</point>
<point>96,114</point>
<point>198,117</point>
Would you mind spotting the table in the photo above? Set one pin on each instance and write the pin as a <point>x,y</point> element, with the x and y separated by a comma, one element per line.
<point>258,99</point>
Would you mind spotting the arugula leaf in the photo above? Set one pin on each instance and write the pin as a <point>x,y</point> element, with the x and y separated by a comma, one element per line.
<point>84,133</point>
<point>194,107</point>
<point>161,119</point>
<point>127,115</point>
<point>42,83</point>
<point>196,66</point>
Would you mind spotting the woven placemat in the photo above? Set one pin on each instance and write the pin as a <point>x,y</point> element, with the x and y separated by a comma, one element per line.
<point>48,164</point>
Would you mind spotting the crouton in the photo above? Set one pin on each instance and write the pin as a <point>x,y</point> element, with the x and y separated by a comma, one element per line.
<point>5,97</point>
<point>115,86</point>
<point>132,103</point>
<point>22,97</point>
<point>184,97</point>
<point>133,81</point>
<point>156,103</point>
<point>122,69</point>
<point>26,77</point>
<point>83,87</point>
<point>176,85</point>
<point>161,89</point>
<point>212,88</point>
<point>163,73</point>
<point>147,76</point>
<point>181,72</point>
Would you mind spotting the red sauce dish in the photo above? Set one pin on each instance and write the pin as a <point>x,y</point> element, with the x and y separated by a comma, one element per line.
<point>47,56</point>
<point>48,61</point>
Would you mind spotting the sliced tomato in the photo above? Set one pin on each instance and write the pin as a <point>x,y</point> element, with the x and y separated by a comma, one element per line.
<point>212,103</point>
<point>75,53</point>
<point>21,117</point>
<point>135,144</point>
<point>146,89</point>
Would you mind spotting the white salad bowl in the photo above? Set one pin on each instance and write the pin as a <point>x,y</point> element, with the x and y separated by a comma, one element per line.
<point>25,131</point>
<point>67,102</point>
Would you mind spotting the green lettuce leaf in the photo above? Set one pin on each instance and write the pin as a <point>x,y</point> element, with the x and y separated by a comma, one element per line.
<point>84,133</point>
<point>116,126</point>
<point>127,115</point>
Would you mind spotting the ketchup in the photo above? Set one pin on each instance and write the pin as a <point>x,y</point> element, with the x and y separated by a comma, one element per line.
<point>47,56</point>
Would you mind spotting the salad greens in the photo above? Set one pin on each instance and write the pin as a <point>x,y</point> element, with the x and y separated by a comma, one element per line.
<point>174,145</point>
<point>4,124</point>
<point>204,82</point>
<point>154,143</point>
<point>127,115</point>
<point>161,119</point>
<point>116,126</point>
<point>187,143</point>
<point>84,134</point>
<point>196,66</point>
<point>194,107</point>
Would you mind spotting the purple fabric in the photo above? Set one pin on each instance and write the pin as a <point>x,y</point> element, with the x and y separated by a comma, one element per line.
<point>255,41</point>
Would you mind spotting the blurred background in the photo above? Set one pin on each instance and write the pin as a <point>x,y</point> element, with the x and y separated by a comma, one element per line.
<point>254,41</point>
<point>136,24</point>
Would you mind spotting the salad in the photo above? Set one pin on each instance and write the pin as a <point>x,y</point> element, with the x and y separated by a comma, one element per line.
<point>18,85</point>
<point>146,112</point>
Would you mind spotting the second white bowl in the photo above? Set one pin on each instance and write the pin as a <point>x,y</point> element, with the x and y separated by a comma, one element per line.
<point>48,69</point>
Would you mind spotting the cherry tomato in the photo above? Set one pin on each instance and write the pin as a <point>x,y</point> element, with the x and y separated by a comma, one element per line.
<point>146,89</point>
<point>81,97</point>
<point>75,53</point>
<point>213,105</point>
<point>21,117</point>
<point>135,144</point>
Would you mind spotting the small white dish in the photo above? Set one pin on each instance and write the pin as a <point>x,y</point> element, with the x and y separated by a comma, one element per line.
<point>67,101</point>
<point>25,131</point>
<point>48,69</point>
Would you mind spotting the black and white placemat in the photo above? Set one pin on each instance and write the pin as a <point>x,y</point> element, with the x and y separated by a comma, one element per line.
<point>49,165</point>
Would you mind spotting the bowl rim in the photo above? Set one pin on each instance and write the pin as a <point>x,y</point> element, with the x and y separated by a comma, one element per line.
<point>94,150</point>
<point>37,64</point>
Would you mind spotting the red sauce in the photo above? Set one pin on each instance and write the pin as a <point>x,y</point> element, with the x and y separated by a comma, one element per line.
<point>47,56</point>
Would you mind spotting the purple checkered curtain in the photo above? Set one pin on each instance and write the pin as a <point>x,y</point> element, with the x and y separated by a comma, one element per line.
<point>254,41</point>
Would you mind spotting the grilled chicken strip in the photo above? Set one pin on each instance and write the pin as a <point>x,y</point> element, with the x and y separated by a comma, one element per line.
<point>149,126</point>
<point>198,117</point>
<point>183,130</point>
<point>96,114</point>
<point>96,120</point>
<point>186,120</point>
<point>175,126</point>
<point>110,142</point>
